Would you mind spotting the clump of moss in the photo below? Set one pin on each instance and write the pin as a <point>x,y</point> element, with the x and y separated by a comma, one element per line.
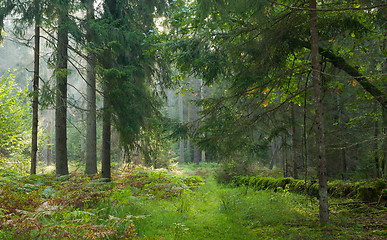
<point>364,191</point>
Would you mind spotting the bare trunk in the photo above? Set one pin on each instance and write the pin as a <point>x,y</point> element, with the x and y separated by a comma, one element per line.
<point>180,103</point>
<point>35,103</point>
<point>384,120</point>
<point>201,108</point>
<point>82,138</point>
<point>322,172</point>
<point>273,151</point>
<point>61,97</point>
<point>284,156</point>
<point>106,137</point>
<point>195,118</point>
<point>376,147</point>
<point>188,138</point>
<point>49,144</point>
<point>91,132</point>
<point>296,136</point>
<point>384,147</point>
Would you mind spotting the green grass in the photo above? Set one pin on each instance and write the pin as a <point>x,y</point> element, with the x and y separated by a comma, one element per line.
<point>146,204</point>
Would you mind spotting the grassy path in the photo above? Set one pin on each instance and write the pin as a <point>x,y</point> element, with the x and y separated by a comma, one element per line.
<point>215,212</point>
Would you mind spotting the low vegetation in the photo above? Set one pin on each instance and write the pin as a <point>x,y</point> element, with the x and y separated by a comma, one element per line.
<point>370,191</point>
<point>187,203</point>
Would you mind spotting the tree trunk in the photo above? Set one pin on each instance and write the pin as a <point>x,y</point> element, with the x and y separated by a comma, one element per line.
<point>201,108</point>
<point>376,146</point>
<point>343,153</point>
<point>91,132</point>
<point>61,97</point>
<point>384,148</point>
<point>106,137</point>
<point>49,144</point>
<point>82,138</point>
<point>35,103</point>
<point>195,117</point>
<point>384,120</point>
<point>296,146</point>
<point>322,172</point>
<point>273,150</point>
<point>189,108</point>
<point>284,155</point>
<point>180,103</point>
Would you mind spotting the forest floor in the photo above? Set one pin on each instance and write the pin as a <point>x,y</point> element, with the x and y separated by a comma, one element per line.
<point>146,204</point>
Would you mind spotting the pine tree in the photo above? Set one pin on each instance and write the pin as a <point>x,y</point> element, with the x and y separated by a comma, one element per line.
<point>61,93</point>
<point>91,135</point>
<point>35,104</point>
<point>322,172</point>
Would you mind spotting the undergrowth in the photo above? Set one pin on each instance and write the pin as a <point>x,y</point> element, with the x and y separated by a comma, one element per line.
<point>147,204</point>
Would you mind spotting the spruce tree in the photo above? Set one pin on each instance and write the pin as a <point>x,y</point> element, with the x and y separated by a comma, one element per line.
<point>61,72</point>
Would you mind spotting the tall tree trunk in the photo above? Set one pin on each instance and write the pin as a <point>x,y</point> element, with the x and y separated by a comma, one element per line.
<point>296,137</point>
<point>61,96</point>
<point>106,136</point>
<point>384,120</point>
<point>196,156</point>
<point>273,150</point>
<point>189,108</point>
<point>343,153</point>
<point>35,103</point>
<point>322,172</point>
<point>201,108</point>
<point>284,155</point>
<point>49,144</point>
<point>376,146</point>
<point>82,138</point>
<point>384,148</point>
<point>91,132</point>
<point>181,114</point>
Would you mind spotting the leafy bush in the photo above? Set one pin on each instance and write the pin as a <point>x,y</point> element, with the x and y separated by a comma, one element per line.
<point>231,169</point>
<point>15,118</point>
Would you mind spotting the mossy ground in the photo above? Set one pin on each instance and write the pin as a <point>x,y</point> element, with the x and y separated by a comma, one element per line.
<point>145,204</point>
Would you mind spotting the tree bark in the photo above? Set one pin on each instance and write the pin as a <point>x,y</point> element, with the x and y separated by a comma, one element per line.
<point>50,140</point>
<point>35,103</point>
<point>181,114</point>
<point>106,137</point>
<point>201,108</point>
<point>196,156</point>
<point>384,147</point>
<point>376,148</point>
<point>82,138</point>
<point>91,132</point>
<point>322,172</point>
<point>296,145</point>
<point>61,97</point>
<point>384,120</point>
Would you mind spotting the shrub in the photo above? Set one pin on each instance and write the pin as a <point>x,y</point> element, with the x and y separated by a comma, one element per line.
<point>14,124</point>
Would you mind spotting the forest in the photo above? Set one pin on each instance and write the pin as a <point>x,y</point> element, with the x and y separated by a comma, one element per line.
<point>193,119</point>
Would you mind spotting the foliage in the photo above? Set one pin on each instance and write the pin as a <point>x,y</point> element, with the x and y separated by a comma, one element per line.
<point>231,169</point>
<point>15,119</point>
<point>132,72</point>
<point>254,50</point>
